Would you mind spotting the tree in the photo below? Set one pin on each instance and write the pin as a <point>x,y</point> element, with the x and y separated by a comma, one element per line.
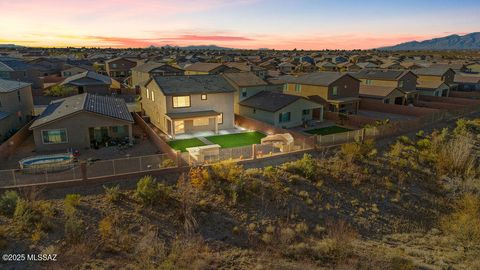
<point>60,91</point>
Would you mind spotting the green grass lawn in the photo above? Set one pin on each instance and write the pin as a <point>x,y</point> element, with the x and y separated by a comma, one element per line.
<point>328,130</point>
<point>236,140</point>
<point>181,145</point>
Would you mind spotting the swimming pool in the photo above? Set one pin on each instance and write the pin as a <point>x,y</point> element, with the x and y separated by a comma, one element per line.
<point>46,161</point>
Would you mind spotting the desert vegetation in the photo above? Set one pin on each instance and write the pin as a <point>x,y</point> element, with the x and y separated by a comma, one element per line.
<point>411,205</point>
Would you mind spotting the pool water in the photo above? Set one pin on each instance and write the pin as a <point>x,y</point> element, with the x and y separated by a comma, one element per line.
<point>46,160</point>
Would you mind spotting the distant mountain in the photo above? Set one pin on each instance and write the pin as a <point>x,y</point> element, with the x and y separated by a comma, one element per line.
<point>10,46</point>
<point>452,42</point>
<point>196,47</point>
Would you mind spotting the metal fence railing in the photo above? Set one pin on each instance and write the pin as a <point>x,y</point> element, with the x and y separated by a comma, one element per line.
<point>78,171</point>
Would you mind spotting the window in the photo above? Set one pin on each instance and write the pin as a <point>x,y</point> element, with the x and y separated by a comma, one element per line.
<point>298,88</point>
<point>148,94</point>
<point>400,84</point>
<point>220,118</point>
<point>284,117</point>
<point>285,87</point>
<point>254,110</point>
<point>181,101</point>
<point>305,112</point>
<point>368,82</point>
<point>244,92</point>
<point>335,91</point>
<point>200,122</point>
<point>203,96</point>
<point>54,136</point>
<point>19,97</point>
<point>386,101</point>
<point>153,96</point>
<point>114,65</point>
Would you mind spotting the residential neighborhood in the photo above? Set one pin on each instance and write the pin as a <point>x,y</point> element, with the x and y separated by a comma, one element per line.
<point>240,135</point>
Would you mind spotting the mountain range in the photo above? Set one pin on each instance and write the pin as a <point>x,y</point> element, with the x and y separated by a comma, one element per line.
<point>453,42</point>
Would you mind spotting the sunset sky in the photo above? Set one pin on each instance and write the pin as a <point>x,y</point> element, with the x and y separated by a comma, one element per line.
<point>251,24</point>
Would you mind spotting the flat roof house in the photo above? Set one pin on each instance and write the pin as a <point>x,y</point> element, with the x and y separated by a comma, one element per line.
<point>279,109</point>
<point>16,106</point>
<point>89,82</point>
<point>338,92</point>
<point>82,121</point>
<point>188,104</point>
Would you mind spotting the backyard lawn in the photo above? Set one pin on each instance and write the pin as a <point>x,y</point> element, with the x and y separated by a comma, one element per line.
<point>328,130</point>
<point>181,145</point>
<point>236,140</point>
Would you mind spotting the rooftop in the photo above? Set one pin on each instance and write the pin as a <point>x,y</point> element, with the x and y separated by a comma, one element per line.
<point>244,79</point>
<point>102,105</point>
<point>171,85</point>
<point>9,86</point>
<point>269,101</point>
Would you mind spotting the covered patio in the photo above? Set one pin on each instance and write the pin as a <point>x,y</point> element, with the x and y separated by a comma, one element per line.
<point>190,123</point>
<point>348,105</point>
<point>110,135</point>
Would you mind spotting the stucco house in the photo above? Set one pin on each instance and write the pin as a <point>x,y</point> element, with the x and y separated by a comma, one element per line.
<point>337,92</point>
<point>188,104</point>
<point>436,74</point>
<point>403,80</point>
<point>82,121</point>
<point>280,109</point>
<point>383,94</point>
<point>467,82</point>
<point>89,82</point>
<point>120,67</point>
<point>143,72</point>
<point>16,106</point>
<point>433,88</point>
<point>246,85</point>
<point>200,68</point>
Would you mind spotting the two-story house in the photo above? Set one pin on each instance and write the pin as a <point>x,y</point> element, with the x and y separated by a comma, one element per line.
<point>143,72</point>
<point>16,106</point>
<point>337,92</point>
<point>120,67</point>
<point>189,104</point>
<point>387,83</point>
<point>435,81</point>
<point>246,85</point>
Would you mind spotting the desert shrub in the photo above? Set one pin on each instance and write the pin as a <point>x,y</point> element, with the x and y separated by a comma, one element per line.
<point>74,229</point>
<point>341,236</point>
<point>3,237</point>
<point>199,177</point>
<point>70,204</point>
<point>227,171</point>
<point>105,227</point>
<point>150,192</point>
<point>401,263</point>
<point>113,194</point>
<point>467,127</point>
<point>8,202</point>
<point>168,163</point>
<point>287,235</point>
<point>357,150</point>
<point>30,215</point>
<point>464,223</point>
<point>188,253</point>
<point>306,166</point>
<point>456,157</point>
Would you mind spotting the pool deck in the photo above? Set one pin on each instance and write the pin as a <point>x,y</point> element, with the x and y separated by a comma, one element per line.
<point>142,147</point>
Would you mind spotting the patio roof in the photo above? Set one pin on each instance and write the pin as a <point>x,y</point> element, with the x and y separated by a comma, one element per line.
<point>344,100</point>
<point>192,114</point>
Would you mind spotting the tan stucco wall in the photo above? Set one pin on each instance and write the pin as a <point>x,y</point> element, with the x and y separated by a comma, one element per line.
<point>10,103</point>
<point>77,126</point>
<point>157,110</point>
<point>295,109</point>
